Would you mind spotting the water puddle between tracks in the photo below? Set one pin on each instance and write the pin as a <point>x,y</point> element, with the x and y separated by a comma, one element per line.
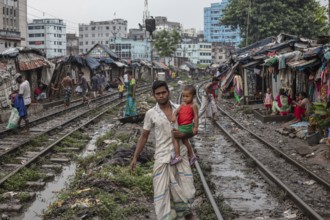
<point>49,194</point>
<point>242,188</point>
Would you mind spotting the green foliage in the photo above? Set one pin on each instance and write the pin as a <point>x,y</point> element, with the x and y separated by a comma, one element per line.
<point>166,42</point>
<point>305,18</point>
<point>18,181</point>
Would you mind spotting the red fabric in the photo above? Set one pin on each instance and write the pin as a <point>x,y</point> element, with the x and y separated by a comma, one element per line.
<point>299,112</point>
<point>268,105</point>
<point>186,115</point>
<point>37,91</point>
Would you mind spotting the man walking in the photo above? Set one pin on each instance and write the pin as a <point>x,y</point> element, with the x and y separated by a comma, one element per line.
<point>173,185</point>
<point>67,86</point>
<point>208,102</point>
<point>25,94</point>
<point>83,86</point>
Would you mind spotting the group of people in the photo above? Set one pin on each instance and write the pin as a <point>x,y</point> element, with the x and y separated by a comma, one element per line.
<point>283,104</point>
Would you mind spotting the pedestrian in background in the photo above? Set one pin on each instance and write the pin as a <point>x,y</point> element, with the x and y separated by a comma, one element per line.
<point>83,85</point>
<point>95,85</point>
<point>173,186</point>
<point>126,80</point>
<point>208,104</point>
<point>130,109</point>
<point>67,85</point>
<point>121,89</point>
<point>24,100</point>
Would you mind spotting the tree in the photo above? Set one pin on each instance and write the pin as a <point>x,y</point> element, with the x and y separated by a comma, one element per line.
<point>258,19</point>
<point>166,42</point>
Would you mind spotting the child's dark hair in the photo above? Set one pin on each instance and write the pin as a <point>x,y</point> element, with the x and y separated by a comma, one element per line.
<point>191,89</point>
<point>158,84</point>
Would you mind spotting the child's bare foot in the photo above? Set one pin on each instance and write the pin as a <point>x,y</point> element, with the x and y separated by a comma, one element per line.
<point>193,159</point>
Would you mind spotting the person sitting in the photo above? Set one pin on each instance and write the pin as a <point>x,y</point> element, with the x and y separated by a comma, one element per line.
<point>282,103</point>
<point>39,93</point>
<point>302,107</point>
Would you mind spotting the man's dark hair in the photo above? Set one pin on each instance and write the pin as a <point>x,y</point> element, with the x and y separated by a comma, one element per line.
<point>191,89</point>
<point>303,94</point>
<point>68,73</point>
<point>158,84</point>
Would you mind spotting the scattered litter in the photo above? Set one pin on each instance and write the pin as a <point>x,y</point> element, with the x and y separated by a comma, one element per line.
<point>23,162</point>
<point>310,155</point>
<point>9,194</point>
<point>309,183</point>
<point>288,214</point>
<point>83,190</point>
<point>110,141</point>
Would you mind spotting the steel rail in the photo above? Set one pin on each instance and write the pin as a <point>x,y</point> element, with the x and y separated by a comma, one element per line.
<point>288,158</point>
<point>206,186</point>
<point>50,146</point>
<point>61,111</point>
<point>64,123</point>
<point>298,201</point>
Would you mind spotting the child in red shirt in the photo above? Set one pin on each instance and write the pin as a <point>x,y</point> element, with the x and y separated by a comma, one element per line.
<point>188,123</point>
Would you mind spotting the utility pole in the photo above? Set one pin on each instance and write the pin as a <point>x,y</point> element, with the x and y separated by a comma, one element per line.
<point>150,25</point>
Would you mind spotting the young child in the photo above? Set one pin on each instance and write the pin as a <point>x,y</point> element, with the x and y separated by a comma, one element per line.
<point>121,89</point>
<point>268,101</point>
<point>188,123</point>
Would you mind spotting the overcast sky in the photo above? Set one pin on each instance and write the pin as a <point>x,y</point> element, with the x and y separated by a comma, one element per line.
<point>188,12</point>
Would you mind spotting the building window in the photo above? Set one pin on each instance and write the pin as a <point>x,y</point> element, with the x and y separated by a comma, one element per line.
<point>86,43</point>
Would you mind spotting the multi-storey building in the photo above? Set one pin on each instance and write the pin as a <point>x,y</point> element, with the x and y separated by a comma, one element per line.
<point>163,24</point>
<point>13,20</point>
<point>100,32</point>
<point>195,50</point>
<point>48,35</point>
<point>130,48</point>
<point>72,44</point>
<point>214,31</point>
<point>221,53</point>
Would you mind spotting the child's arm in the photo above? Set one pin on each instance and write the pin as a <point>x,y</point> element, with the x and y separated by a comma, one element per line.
<point>195,109</point>
<point>175,113</point>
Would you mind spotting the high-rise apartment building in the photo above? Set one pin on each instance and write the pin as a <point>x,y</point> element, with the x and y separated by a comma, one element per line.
<point>48,35</point>
<point>214,31</point>
<point>100,32</point>
<point>13,23</point>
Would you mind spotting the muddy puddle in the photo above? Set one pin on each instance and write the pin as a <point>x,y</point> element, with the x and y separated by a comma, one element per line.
<point>49,194</point>
<point>242,188</point>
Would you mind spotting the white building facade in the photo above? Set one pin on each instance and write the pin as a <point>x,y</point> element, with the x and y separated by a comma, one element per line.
<point>13,23</point>
<point>100,32</point>
<point>48,35</point>
<point>195,52</point>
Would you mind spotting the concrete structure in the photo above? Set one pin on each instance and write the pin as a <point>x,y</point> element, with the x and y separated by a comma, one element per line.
<point>13,23</point>
<point>163,24</point>
<point>100,32</point>
<point>220,52</point>
<point>213,31</point>
<point>48,35</point>
<point>137,34</point>
<point>72,44</point>
<point>131,49</point>
<point>195,50</point>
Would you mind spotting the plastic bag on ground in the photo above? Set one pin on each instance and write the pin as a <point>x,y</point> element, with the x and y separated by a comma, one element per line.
<point>13,119</point>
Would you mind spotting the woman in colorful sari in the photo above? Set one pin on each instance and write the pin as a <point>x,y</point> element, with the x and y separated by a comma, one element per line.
<point>238,88</point>
<point>282,104</point>
<point>130,109</point>
<point>302,107</point>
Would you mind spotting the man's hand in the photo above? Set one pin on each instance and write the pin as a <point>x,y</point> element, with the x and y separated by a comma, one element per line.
<point>133,166</point>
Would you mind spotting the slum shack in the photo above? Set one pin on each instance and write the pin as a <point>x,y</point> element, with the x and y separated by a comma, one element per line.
<point>34,67</point>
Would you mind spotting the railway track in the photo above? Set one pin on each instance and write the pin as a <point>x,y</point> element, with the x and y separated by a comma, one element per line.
<point>307,190</point>
<point>23,154</point>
